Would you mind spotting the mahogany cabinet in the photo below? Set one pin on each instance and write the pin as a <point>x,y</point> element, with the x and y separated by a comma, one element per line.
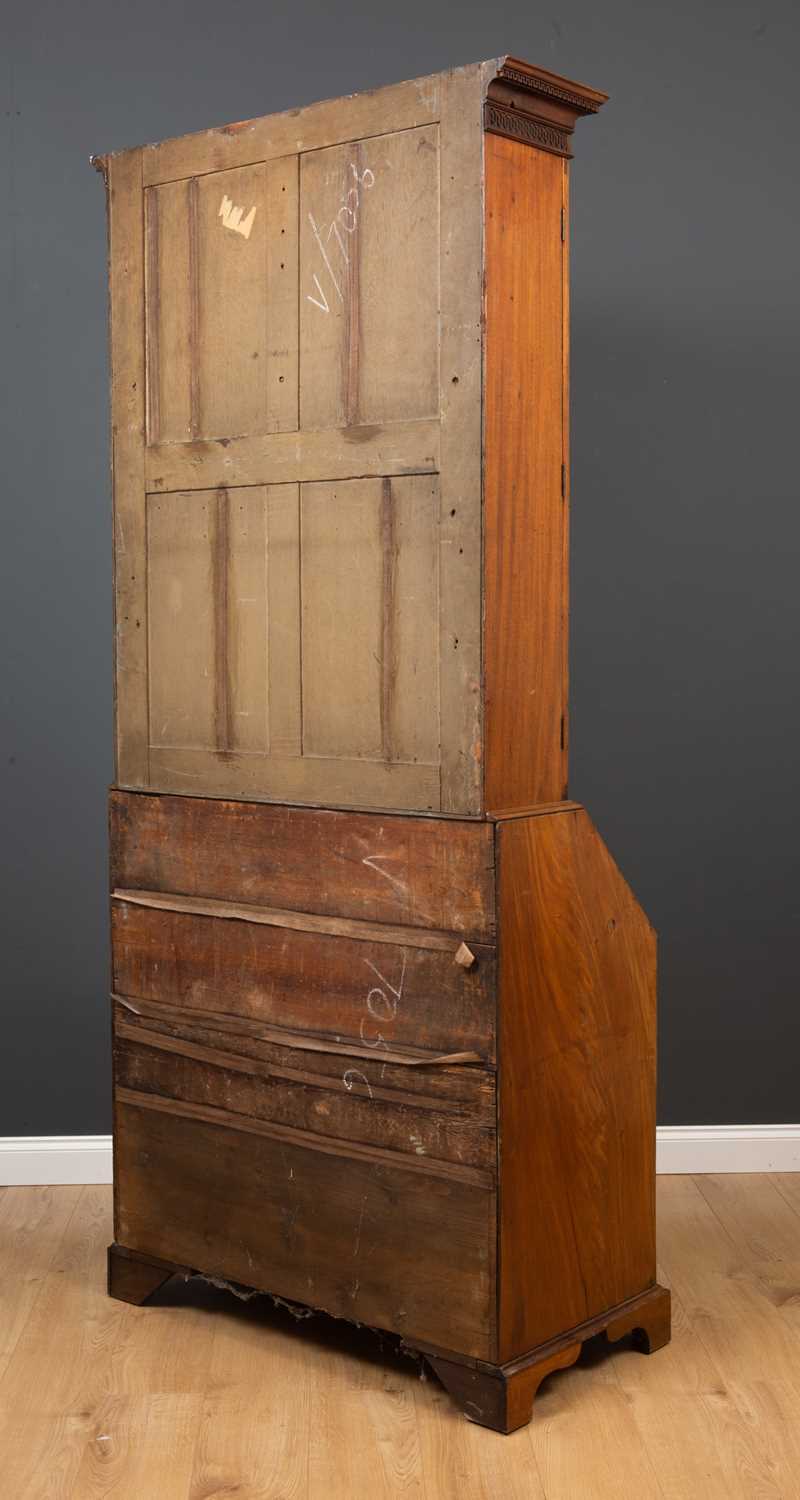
<point>384,1007</point>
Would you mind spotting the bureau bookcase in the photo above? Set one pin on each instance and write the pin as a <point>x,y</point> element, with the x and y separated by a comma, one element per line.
<point>384,1007</point>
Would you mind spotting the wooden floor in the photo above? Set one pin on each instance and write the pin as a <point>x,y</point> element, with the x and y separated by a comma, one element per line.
<point>200,1397</point>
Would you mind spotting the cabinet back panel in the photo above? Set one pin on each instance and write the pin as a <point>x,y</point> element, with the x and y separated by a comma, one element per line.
<point>222,304</point>
<point>369,254</point>
<point>369,561</point>
<point>378,1239</point>
<point>280,328</point>
<point>344,1104</point>
<point>375,993</point>
<point>418,872</point>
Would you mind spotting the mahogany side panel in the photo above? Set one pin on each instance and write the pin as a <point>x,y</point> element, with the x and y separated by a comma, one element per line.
<point>420,872</point>
<point>577,964</point>
<point>524,503</point>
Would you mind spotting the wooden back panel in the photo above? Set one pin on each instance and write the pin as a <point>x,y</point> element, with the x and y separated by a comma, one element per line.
<point>418,872</point>
<point>296,327</point>
<point>334,985</point>
<point>339,393</point>
<point>372,1235</point>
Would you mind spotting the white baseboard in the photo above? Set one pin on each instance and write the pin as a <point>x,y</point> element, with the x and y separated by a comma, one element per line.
<point>728,1148</point>
<point>27,1160</point>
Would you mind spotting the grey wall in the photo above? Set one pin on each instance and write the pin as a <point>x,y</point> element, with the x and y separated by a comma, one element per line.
<point>685,520</point>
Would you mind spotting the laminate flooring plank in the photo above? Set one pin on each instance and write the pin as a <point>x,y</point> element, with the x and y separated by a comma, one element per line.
<point>32,1223</point>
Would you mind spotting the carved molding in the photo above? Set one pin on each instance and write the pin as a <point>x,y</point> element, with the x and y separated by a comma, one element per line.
<point>580,100</point>
<point>523,127</point>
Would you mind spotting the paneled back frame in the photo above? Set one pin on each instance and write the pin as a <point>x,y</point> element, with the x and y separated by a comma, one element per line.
<point>340,558</point>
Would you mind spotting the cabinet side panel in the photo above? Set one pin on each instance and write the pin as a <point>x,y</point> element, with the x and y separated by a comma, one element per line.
<point>577,1081</point>
<point>126,264</point>
<point>524,509</point>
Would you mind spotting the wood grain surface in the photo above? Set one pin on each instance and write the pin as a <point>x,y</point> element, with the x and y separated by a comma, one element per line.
<point>402,1073</point>
<point>410,1116</point>
<point>337,986</point>
<point>309,320</point>
<point>419,872</point>
<point>368,1236</point>
<point>128,409</point>
<point>577,1081</point>
<point>524,507</point>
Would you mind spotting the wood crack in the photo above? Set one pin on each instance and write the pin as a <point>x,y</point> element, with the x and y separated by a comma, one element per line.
<point>350,927</point>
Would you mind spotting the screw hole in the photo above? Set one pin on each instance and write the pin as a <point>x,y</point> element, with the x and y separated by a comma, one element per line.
<point>452,512</point>
<point>455,380</point>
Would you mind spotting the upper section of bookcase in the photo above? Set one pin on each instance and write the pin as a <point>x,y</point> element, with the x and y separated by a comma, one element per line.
<point>338,357</point>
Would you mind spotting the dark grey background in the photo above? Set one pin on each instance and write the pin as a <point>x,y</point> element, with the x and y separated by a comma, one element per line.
<point>685,517</point>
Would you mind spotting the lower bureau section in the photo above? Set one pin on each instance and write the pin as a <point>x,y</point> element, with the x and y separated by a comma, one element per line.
<point>340,1081</point>
<point>401,1245</point>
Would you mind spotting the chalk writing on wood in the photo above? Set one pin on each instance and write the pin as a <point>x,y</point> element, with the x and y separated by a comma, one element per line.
<point>382,1001</point>
<point>355,1075</point>
<point>344,222</point>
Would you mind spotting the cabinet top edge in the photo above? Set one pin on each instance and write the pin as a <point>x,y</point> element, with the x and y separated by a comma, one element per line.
<point>513,71</point>
<point>541,82</point>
